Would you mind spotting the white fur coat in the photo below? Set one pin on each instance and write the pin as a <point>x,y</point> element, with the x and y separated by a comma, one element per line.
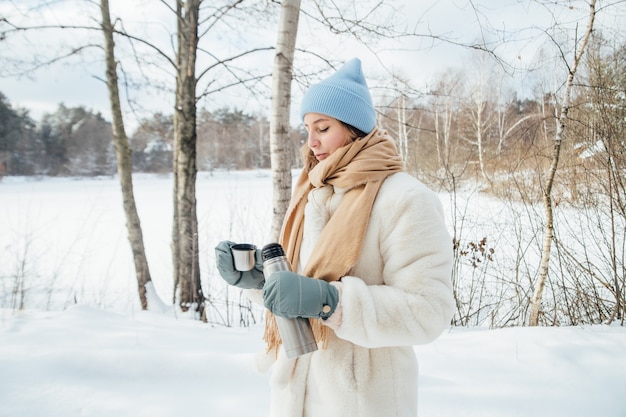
<point>399,295</point>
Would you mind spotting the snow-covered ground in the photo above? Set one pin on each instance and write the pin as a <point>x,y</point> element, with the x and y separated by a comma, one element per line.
<point>82,347</point>
<point>89,362</point>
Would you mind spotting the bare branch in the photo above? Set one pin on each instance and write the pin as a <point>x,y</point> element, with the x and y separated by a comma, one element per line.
<point>232,58</point>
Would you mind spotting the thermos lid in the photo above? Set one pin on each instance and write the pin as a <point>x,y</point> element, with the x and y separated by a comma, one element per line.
<point>272,250</point>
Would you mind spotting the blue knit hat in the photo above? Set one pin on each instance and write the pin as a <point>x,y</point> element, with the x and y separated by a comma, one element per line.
<point>344,96</point>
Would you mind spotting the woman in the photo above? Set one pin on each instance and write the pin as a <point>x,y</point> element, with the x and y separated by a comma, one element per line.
<point>374,239</point>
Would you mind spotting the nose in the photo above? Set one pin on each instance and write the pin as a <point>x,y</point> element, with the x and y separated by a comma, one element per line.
<point>312,140</point>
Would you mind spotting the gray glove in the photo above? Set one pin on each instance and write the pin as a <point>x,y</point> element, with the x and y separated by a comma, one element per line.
<point>290,295</point>
<point>225,266</point>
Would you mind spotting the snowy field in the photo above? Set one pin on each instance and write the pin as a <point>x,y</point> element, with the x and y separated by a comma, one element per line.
<point>81,347</point>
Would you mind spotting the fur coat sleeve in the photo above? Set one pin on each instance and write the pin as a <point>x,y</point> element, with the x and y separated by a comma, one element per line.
<point>400,291</point>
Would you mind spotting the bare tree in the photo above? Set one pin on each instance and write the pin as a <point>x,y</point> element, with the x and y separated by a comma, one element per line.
<point>185,223</point>
<point>599,184</point>
<point>479,110</point>
<point>281,99</point>
<point>124,160</point>
<point>402,136</point>
<point>535,307</point>
<point>444,104</point>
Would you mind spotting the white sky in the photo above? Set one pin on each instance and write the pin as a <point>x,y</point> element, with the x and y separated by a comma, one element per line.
<point>80,83</point>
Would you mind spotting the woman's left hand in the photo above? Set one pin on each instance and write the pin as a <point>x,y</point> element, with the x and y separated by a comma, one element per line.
<point>287,294</point>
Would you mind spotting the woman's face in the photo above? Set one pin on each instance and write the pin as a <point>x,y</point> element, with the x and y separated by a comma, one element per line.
<point>326,134</point>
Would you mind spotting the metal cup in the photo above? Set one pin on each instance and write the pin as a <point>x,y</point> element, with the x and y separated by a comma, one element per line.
<point>244,255</point>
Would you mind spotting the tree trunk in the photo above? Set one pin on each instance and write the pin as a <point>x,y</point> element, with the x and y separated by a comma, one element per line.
<point>535,307</point>
<point>124,160</point>
<point>403,140</point>
<point>279,121</point>
<point>480,126</point>
<point>186,264</point>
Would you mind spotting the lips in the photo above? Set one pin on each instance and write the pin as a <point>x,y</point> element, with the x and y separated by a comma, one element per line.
<point>321,156</point>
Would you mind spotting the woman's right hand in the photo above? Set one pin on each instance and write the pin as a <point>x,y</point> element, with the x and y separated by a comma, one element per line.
<point>225,266</point>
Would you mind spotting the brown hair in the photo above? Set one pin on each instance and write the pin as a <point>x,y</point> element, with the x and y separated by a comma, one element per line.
<point>308,157</point>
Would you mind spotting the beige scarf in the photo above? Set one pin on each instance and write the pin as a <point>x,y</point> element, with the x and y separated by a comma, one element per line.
<point>359,167</point>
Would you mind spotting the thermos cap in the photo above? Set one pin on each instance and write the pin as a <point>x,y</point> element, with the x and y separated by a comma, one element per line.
<point>272,250</point>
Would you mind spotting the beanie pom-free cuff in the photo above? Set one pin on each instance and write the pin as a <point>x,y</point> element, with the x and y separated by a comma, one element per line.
<point>343,96</point>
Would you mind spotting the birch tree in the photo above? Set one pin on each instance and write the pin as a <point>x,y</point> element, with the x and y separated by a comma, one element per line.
<point>124,160</point>
<point>480,115</point>
<point>562,121</point>
<point>444,105</point>
<point>185,259</point>
<point>402,138</point>
<point>281,99</point>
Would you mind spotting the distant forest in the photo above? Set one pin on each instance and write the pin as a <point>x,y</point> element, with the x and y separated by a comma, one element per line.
<point>75,141</point>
